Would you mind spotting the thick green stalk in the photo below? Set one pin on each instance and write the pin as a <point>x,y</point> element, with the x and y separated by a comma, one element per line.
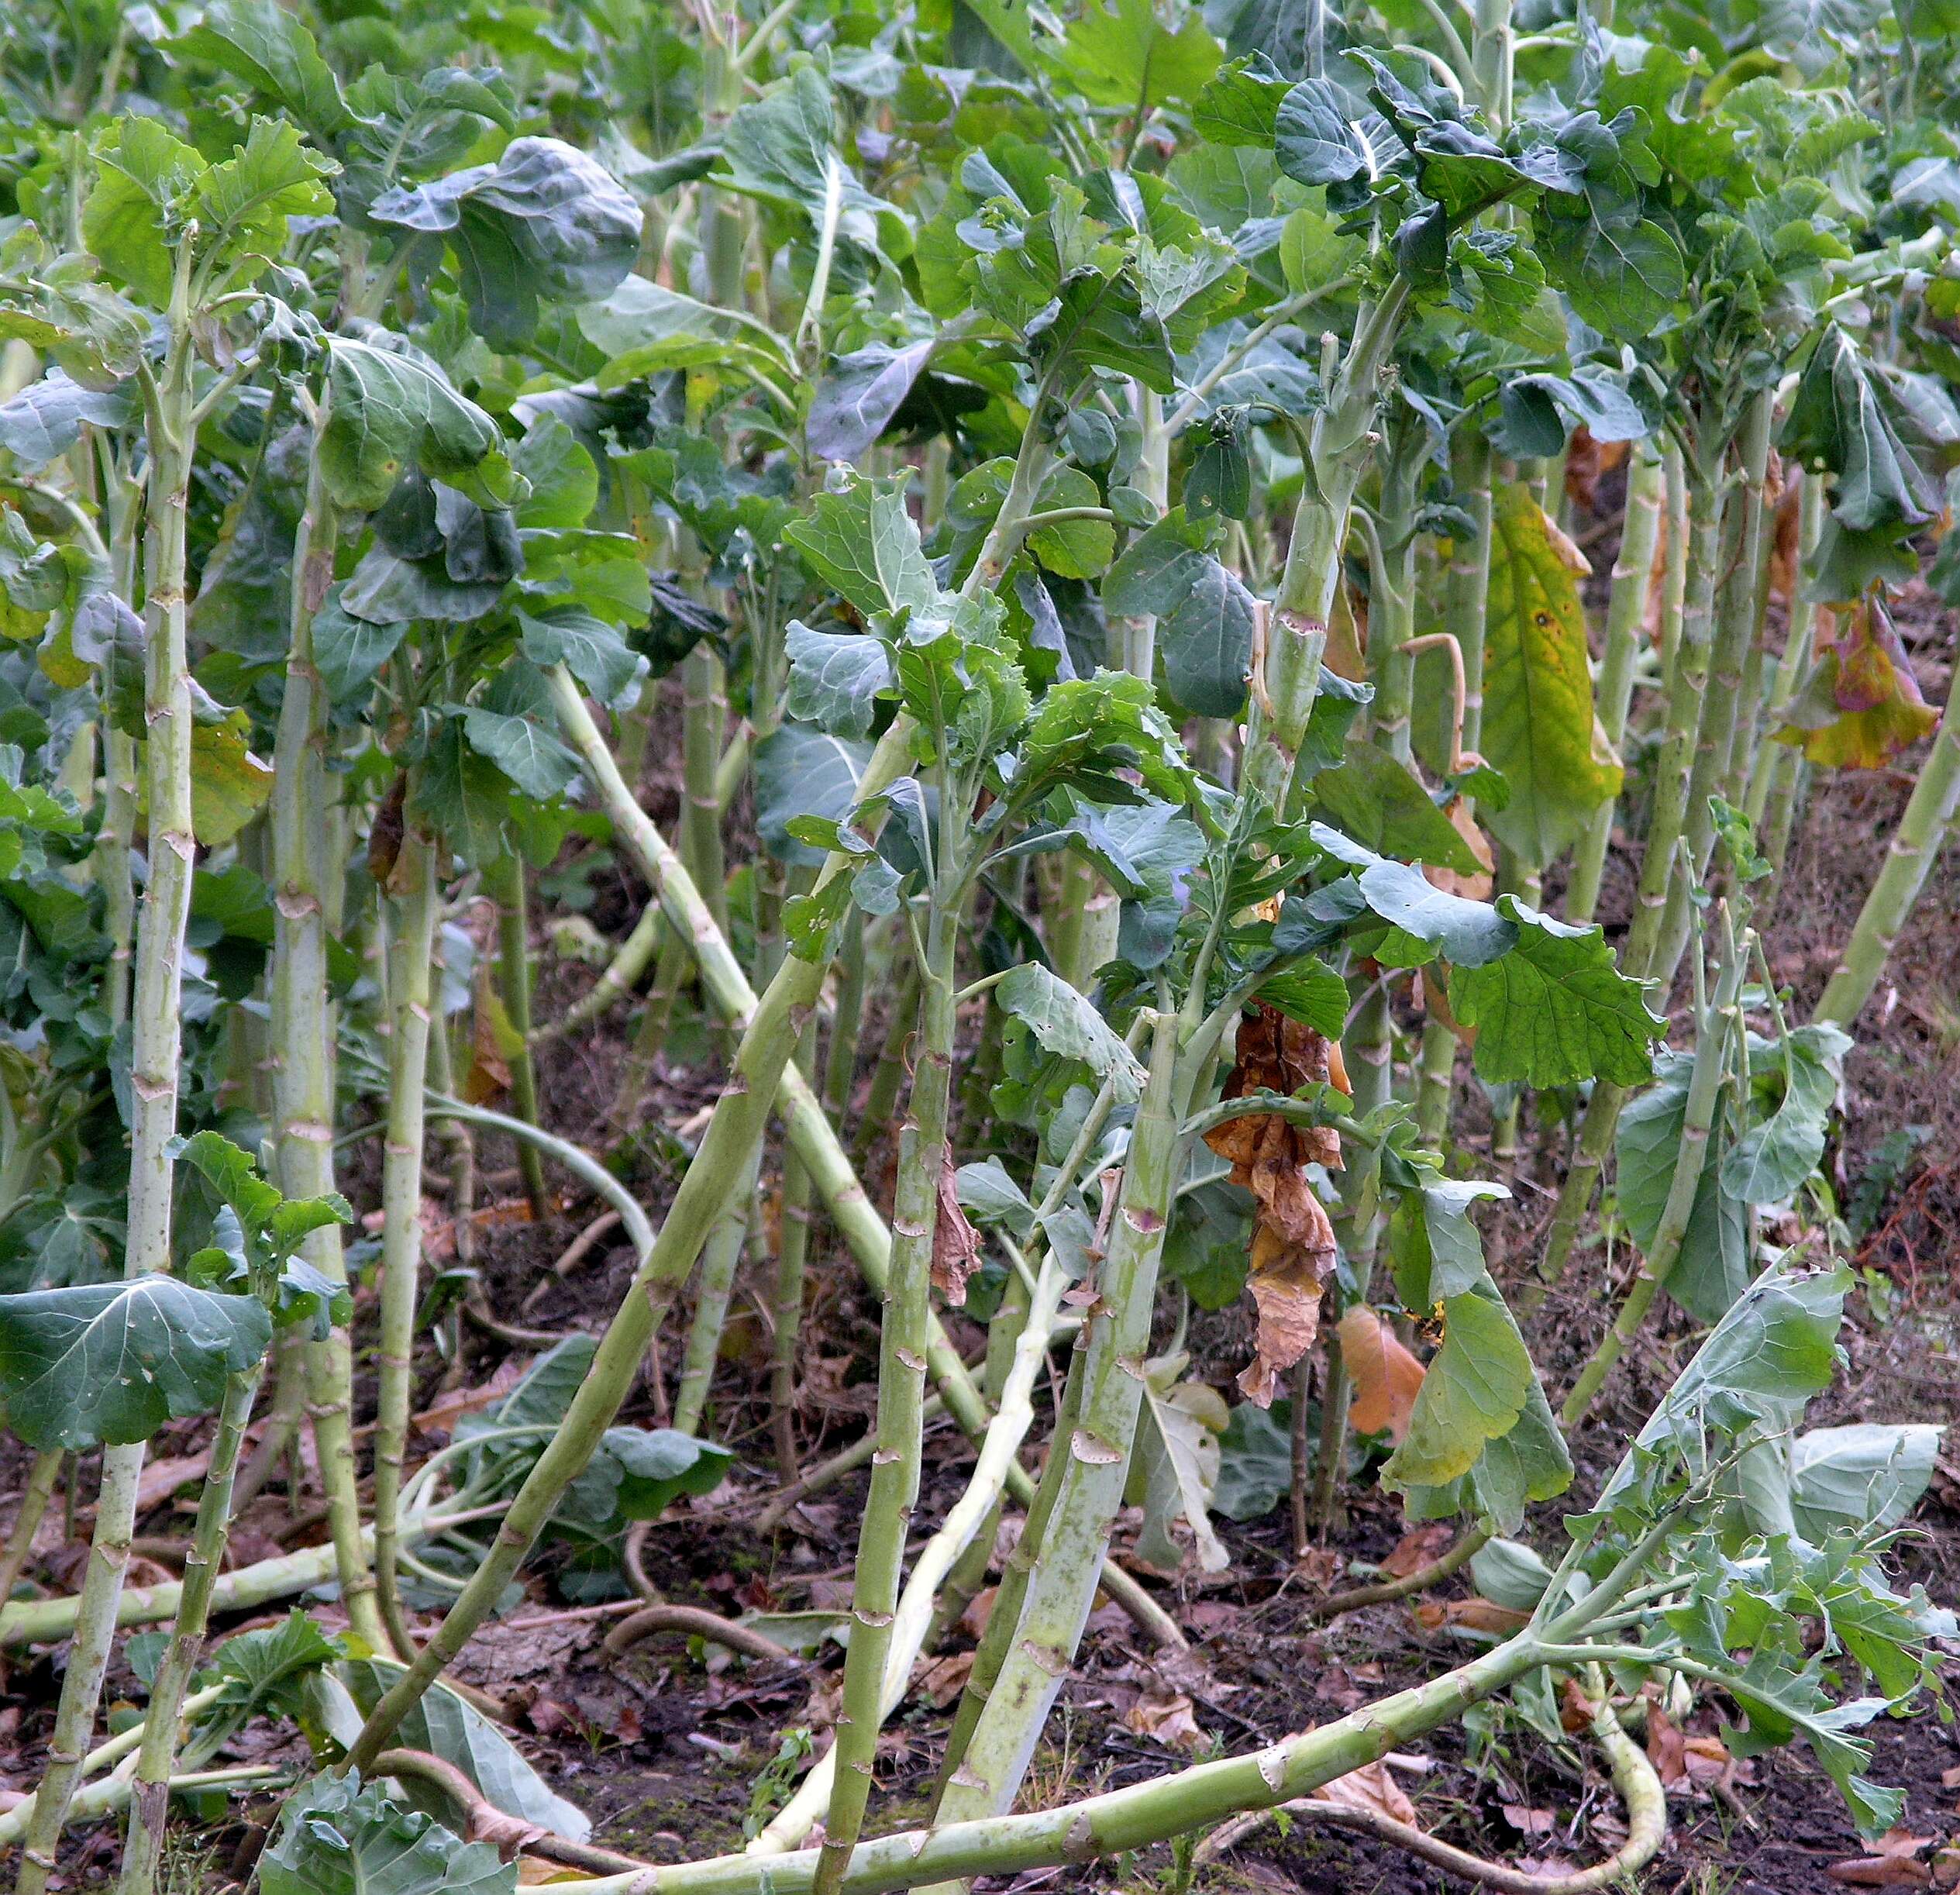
<point>968,1527</point>
<point>1674,568</point>
<point>1640,957</point>
<point>704,714</point>
<point>1914,849</point>
<point>671,966</point>
<point>156,1050</point>
<point>1116,1822</point>
<point>785,1302</point>
<point>714,1286</point>
<point>1466,609</point>
<point>505,881</point>
<point>306,875</point>
<point>143,1846</point>
<point>1338,448</point>
<point>1739,564</point>
<point>1632,572</point>
<point>1713,1030</point>
<point>1095,1458</point>
<point>1392,599</point>
<point>902,1340</point>
<point>41,1477</point>
<point>415,874</point>
<point>769,1028</point>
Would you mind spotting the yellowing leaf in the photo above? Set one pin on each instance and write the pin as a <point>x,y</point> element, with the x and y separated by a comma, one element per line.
<point>1538,726</point>
<point>1861,706</point>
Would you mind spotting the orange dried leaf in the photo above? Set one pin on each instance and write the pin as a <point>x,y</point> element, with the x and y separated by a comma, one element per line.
<point>956,1244</point>
<point>1386,1377</point>
<point>1371,1788</point>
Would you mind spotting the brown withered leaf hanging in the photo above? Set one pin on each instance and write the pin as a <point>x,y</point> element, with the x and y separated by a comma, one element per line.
<point>956,1244</point>
<point>1293,1242</point>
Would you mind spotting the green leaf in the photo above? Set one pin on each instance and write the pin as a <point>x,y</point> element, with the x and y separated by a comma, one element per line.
<point>349,653</point>
<point>1073,549</point>
<point>46,418</point>
<point>1375,800</point>
<point>1315,138</point>
<point>393,411</point>
<point>269,47</point>
<point>235,1177</point>
<point>228,785</point>
<point>562,475</point>
<point>1475,1389</point>
<point>1438,1253</point>
<point>1086,729</point>
<point>859,538</point>
<point>1770,1160</point>
<point>590,649</point>
<point>835,678</point>
<point>1158,567</point>
<point>1239,106</point>
<point>531,756</point>
<point>546,223</point>
<point>447,1726</point>
<point>336,1837</point>
<point>1712,1270</point>
<point>1867,1474</point>
<point>1255,1461</point>
<point>986,1191</point>
<point>1208,1246</point>
<point>113,1362</point>
<point>145,179</point>
<point>859,394</point>
<point>803,772</point>
<point>1623,276</point>
<point>1467,934</point>
<point>1066,1024</point>
<point>1122,53</point>
<point>1207,641</point>
<point>1555,1010</point>
<point>1538,726</point>
<point>1173,1469</point>
<point>242,204</point>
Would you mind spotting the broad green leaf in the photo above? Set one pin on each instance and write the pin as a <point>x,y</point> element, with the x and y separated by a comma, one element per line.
<point>338,1837</point>
<point>1159,568</point>
<point>1314,137</point>
<point>269,47</point>
<point>1538,725</point>
<point>1255,1461</point>
<point>46,418</point>
<point>1438,1253</point>
<point>546,223</point>
<point>562,475</point>
<point>1207,641</point>
<point>1208,1245</point>
<point>349,653</point>
<point>1124,54</point>
<point>1555,1010</point>
<point>991,1197</point>
<point>1239,104</point>
<point>448,1726</point>
<point>113,1362</point>
<point>1173,1470</point>
<point>859,538</point>
<point>858,395</point>
<point>590,649</point>
<point>243,202</point>
<point>229,785</point>
<point>1770,1160</point>
<point>1467,934</point>
<point>531,756</point>
<point>1065,1023</point>
<point>1377,801</point>
<point>1867,1474</point>
<point>144,183</point>
<point>1073,549</point>
<point>1622,276</point>
<point>835,678</point>
<point>1712,1268</point>
<point>803,772</point>
<point>1476,1387</point>
<point>393,411</point>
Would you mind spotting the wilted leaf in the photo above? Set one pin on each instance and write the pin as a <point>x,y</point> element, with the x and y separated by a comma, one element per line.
<point>956,1244</point>
<point>1385,1376</point>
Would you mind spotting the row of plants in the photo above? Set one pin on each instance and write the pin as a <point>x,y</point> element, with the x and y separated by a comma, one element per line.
<point>1087,502</point>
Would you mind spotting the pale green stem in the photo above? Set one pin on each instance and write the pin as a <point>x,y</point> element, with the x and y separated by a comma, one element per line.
<point>902,1340</point>
<point>414,945</point>
<point>156,1052</point>
<point>714,1286</point>
<point>143,1847</point>
<point>505,881</point>
<point>1914,849</point>
<point>1713,1033</point>
<point>1626,609</point>
<point>1094,1457</point>
<point>41,1477</point>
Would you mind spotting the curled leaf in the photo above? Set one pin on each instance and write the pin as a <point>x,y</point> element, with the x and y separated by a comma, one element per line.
<point>956,1244</point>
<point>1386,1377</point>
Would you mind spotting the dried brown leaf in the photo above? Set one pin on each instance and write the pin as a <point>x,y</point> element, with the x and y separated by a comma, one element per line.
<point>1371,1789</point>
<point>1419,1547</point>
<point>956,1244</point>
<point>1166,1716</point>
